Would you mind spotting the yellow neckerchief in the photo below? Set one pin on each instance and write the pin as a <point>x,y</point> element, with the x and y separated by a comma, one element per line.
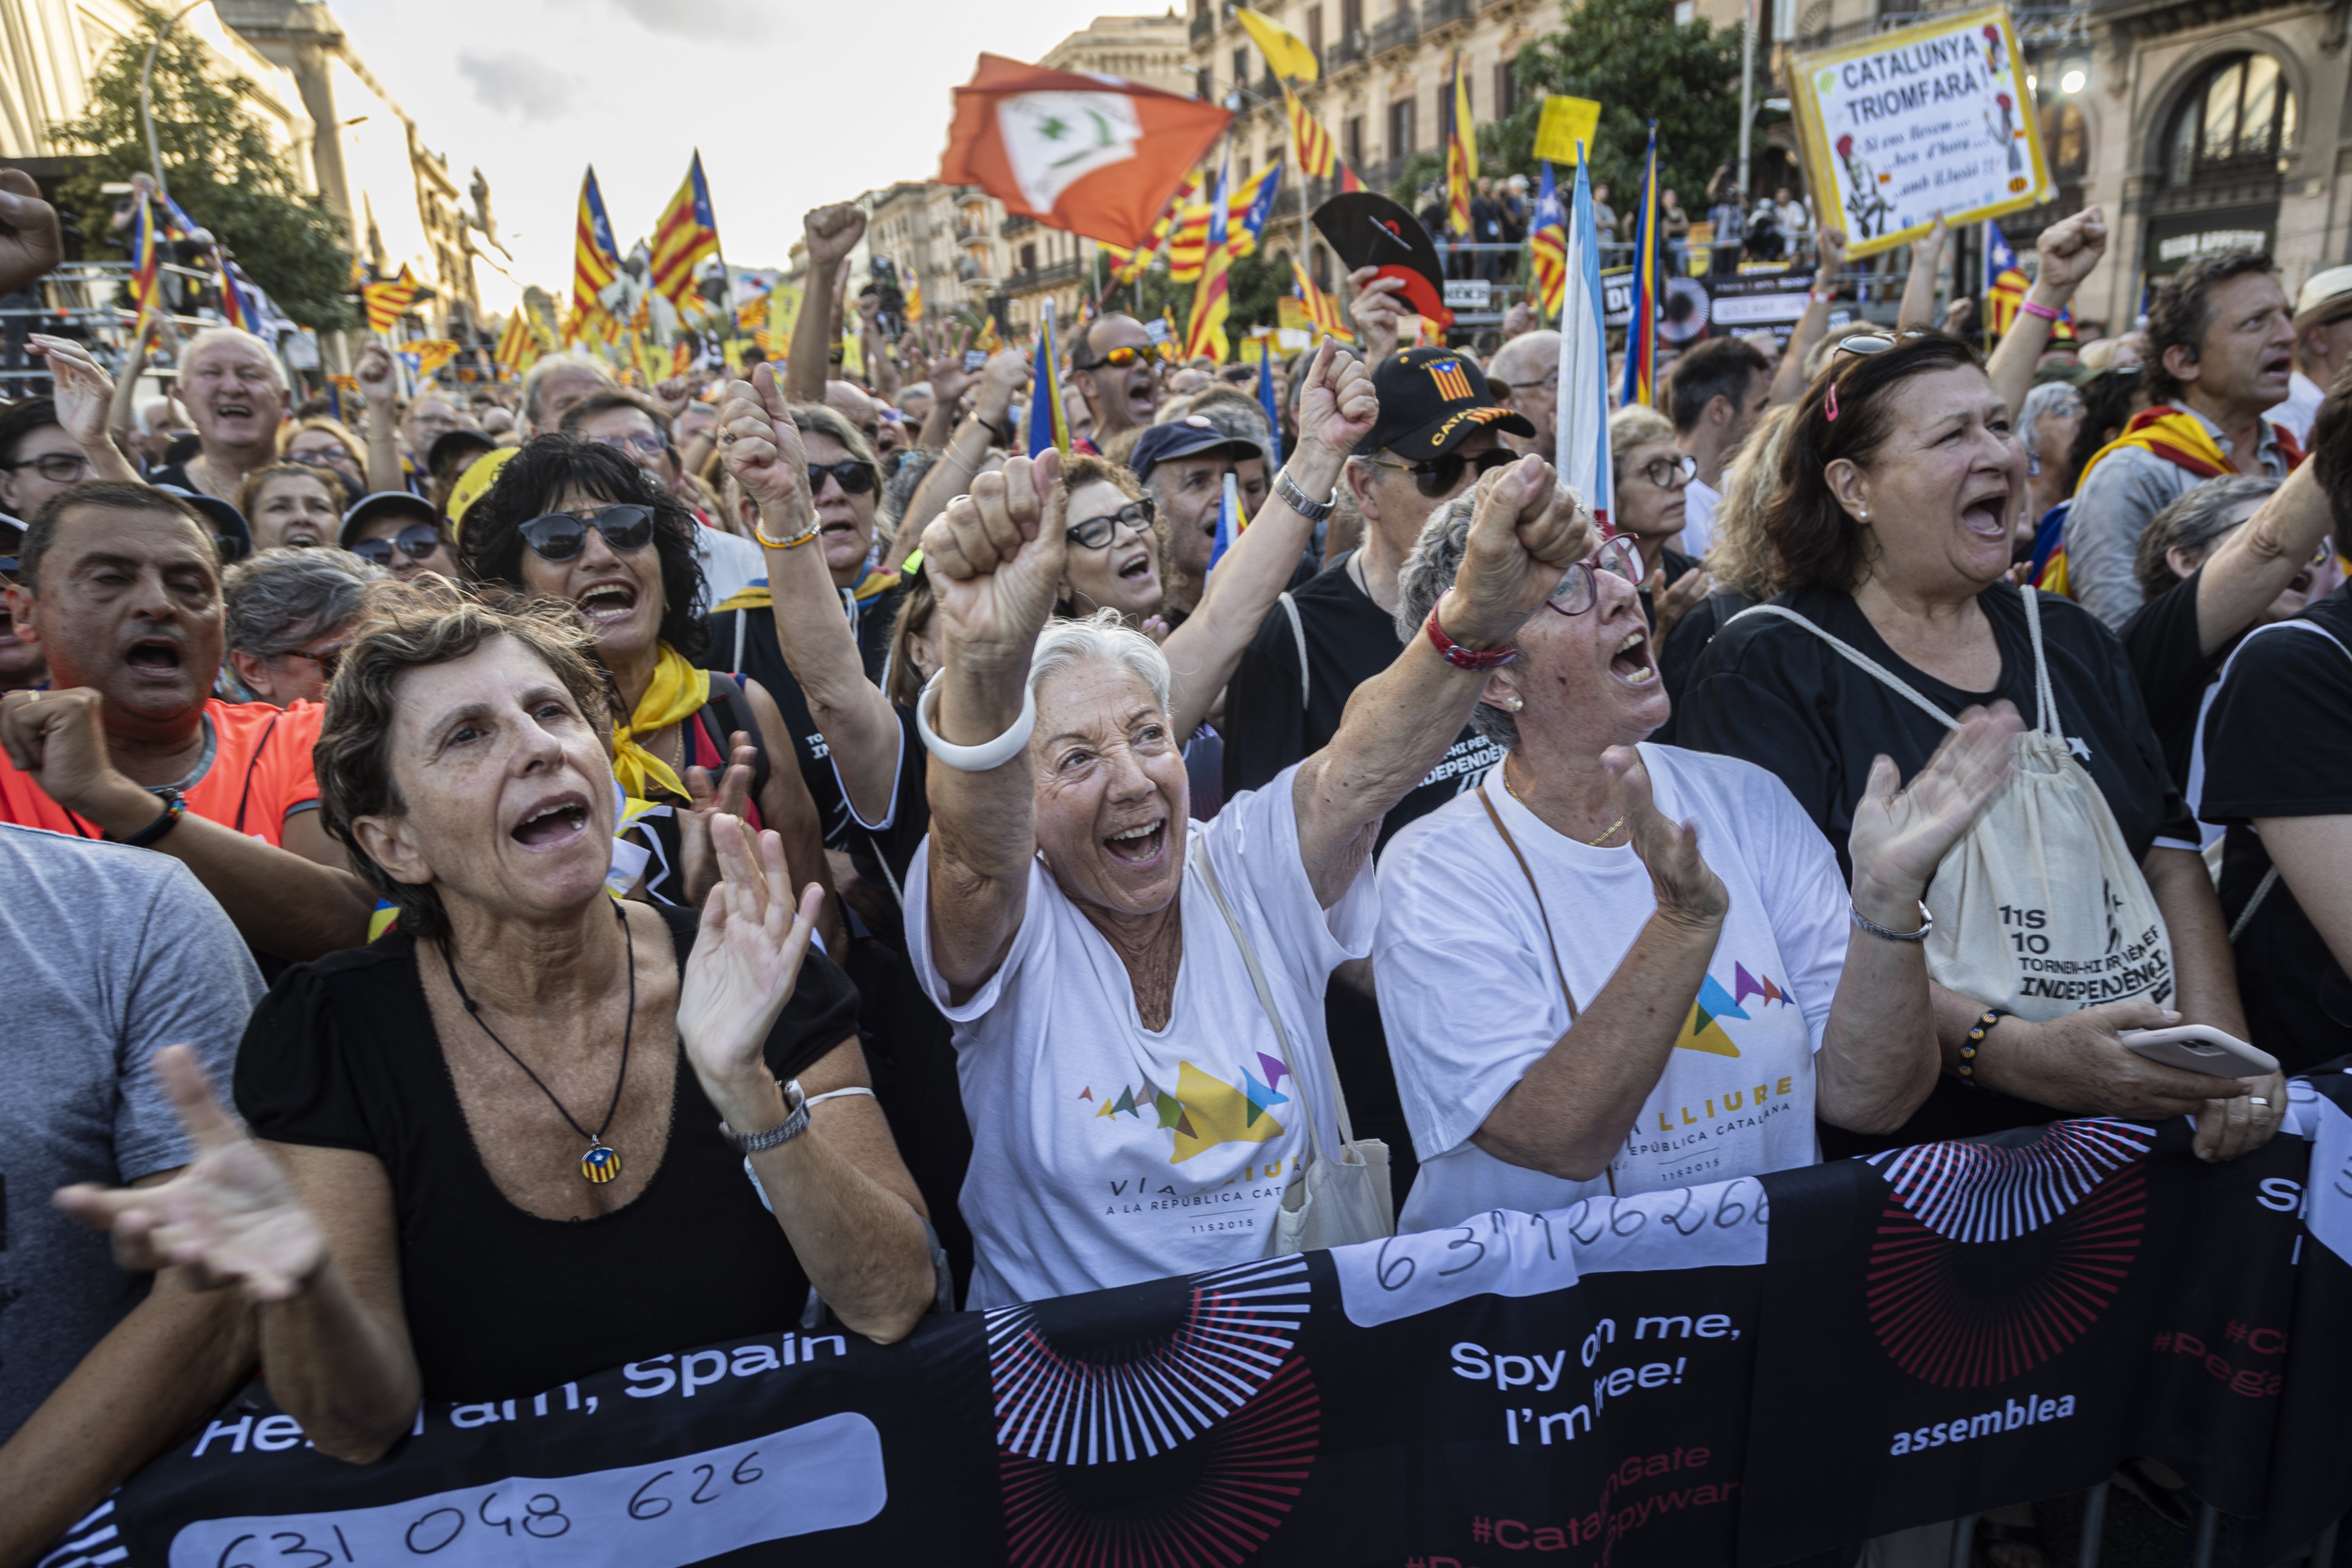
<point>2175,434</point>
<point>758,596</point>
<point>679,690</point>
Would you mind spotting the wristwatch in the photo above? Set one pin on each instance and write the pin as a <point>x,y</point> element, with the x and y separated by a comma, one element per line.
<point>1296,499</point>
<point>794,1124</point>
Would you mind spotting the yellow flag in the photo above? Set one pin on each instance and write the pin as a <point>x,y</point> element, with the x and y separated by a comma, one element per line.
<point>853,356</point>
<point>1566,124</point>
<point>1285,53</point>
<point>784,311</point>
<point>431,354</point>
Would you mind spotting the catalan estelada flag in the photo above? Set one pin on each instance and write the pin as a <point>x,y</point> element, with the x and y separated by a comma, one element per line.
<point>146,260</point>
<point>1548,246</point>
<point>1318,157</point>
<point>1132,266</point>
<point>1322,310</point>
<point>687,233</point>
<point>1250,206</point>
<point>1641,328</point>
<point>2005,282</point>
<point>387,302</point>
<point>1212,298</point>
<point>1049,421</point>
<point>236,308</point>
<point>1188,242</point>
<point>518,344</point>
<point>1461,151</point>
<point>595,262</point>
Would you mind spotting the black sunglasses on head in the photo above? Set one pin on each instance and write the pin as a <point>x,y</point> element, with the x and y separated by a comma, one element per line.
<point>1439,476</point>
<point>560,535</point>
<point>854,477</point>
<point>416,542</point>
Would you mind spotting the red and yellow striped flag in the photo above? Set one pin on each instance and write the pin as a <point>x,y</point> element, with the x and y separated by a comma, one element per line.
<point>1212,297</point>
<point>146,260</point>
<point>594,264</point>
<point>1322,310</point>
<point>687,233</point>
<point>387,302</point>
<point>1461,152</point>
<point>518,344</point>
<point>1188,244</point>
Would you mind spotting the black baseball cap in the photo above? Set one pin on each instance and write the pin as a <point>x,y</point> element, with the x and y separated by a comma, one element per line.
<point>452,444</point>
<point>1182,438</point>
<point>1432,400</point>
<point>228,525</point>
<point>396,503</point>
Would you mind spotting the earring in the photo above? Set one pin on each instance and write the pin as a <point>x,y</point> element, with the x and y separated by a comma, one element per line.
<point>1513,704</point>
<point>1862,514</point>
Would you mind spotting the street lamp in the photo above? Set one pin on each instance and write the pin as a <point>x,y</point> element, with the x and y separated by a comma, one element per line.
<point>146,103</point>
<point>2072,82</point>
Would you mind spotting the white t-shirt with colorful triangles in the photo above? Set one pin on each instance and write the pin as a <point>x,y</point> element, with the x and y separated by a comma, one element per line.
<point>1104,1152</point>
<point>1470,1000</point>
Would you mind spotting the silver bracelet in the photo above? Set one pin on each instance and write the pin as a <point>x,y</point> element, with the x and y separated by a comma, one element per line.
<point>1927,924</point>
<point>795,1123</point>
<point>1296,499</point>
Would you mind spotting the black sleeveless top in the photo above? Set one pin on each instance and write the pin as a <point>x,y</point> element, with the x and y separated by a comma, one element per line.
<point>501,1304</point>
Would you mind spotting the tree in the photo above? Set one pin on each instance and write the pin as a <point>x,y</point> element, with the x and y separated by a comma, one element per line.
<point>220,167</point>
<point>1629,56</point>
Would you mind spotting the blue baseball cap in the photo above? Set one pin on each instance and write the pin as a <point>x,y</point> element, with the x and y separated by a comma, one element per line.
<point>1183,438</point>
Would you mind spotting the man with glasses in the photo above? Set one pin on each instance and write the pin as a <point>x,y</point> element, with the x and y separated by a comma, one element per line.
<point>632,426</point>
<point>120,585</point>
<point>1185,462</point>
<point>37,458</point>
<point>1526,371</point>
<point>1115,366</point>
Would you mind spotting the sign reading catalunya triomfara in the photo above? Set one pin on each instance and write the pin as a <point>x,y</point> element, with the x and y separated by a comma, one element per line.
<point>1750,1372</point>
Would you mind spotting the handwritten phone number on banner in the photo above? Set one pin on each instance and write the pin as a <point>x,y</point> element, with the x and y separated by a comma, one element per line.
<point>822,1476</point>
<point>1508,1252</point>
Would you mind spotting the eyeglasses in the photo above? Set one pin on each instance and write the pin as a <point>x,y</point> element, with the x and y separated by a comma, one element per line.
<point>1096,532</point>
<point>854,477</point>
<point>417,540</point>
<point>560,536</point>
<point>1670,473</point>
<point>57,468</point>
<point>321,457</point>
<point>325,660</point>
<point>1441,476</point>
<point>1125,355</point>
<point>644,441</point>
<point>1579,585</point>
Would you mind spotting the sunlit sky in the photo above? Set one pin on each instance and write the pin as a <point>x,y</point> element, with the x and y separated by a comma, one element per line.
<point>793,105</point>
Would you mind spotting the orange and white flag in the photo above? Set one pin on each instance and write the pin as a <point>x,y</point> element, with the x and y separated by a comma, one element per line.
<point>1092,155</point>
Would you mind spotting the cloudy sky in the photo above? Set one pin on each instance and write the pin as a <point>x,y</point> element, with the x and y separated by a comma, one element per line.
<point>794,105</point>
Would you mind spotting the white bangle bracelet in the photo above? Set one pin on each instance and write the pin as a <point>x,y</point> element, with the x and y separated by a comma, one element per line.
<point>987,756</point>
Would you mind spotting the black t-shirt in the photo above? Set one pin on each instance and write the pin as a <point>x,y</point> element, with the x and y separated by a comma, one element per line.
<point>501,1304</point>
<point>2279,743</point>
<point>1349,639</point>
<point>1780,697</point>
<point>2172,669</point>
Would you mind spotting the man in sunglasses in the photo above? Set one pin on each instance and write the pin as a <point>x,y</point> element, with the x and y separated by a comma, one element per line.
<point>121,587</point>
<point>1115,366</point>
<point>631,425</point>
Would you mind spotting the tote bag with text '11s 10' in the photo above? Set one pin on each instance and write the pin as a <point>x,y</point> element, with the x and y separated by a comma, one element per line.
<point>2041,911</point>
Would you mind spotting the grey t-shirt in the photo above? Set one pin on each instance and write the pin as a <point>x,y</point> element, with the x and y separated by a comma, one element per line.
<point>107,955</point>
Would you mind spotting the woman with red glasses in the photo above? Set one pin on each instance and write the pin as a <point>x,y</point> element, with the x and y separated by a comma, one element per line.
<point>574,520</point>
<point>1618,967</point>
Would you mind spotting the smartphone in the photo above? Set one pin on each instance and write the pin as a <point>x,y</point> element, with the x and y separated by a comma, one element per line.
<point>974,361</point>
<point>2200,1048</point>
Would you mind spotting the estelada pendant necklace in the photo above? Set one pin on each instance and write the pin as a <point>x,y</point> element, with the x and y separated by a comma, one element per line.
<point>601,1163</point>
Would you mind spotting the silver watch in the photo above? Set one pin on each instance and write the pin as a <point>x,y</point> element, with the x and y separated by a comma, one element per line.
<point>795,1123</point>
<point>1296,499</point>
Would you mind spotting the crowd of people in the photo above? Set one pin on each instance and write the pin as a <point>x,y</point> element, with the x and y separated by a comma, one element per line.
<point>1259,827</point>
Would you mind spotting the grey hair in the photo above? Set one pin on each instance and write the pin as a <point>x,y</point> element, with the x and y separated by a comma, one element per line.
<point>1066,643</point>
<point>546,365</point>
<point>898,491</point>
<point>2194,524</point>
<point>194,350</point>
<point>280,599</point>
<point>1427,573</point>
<point>2050,397</point>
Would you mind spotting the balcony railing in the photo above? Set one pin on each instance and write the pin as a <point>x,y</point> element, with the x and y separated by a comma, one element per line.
<point>1395,32</point>
<point>1019,223</point>
<point>1351,50</point>
<point>1204,27</point>
<point>1045,276</point>
<point>1436,14</point>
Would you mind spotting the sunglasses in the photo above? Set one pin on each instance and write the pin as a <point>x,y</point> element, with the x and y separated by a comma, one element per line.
<point>1670,473</point>
<point>1441,476</point>
<point>57,468</point>
<point>854,477</point>
<point>1579,585</point>
<point>1121,357</point>
<point>1096,532</point>
<point>1876,342</point>
<point>416,542</point>
<point>560,536</point>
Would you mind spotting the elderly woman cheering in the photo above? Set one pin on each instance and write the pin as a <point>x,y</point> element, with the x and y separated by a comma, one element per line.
<point>1628,965</point>
<point>1138,997</point>
<point>487,1164</point>
<point>2078,907</point>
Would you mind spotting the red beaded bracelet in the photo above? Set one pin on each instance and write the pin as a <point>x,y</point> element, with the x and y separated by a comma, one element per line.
<point>1462,657</point>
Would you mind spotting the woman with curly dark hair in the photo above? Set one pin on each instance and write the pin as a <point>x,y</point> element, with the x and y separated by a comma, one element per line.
<point>573,521</point>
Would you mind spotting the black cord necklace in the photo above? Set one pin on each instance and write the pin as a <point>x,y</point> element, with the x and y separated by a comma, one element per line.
<point>601,1163</point>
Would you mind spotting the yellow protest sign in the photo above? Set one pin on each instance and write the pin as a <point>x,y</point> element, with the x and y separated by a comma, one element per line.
<point>784,311</point>
<point>853,356</point>
<point>1568,124</point>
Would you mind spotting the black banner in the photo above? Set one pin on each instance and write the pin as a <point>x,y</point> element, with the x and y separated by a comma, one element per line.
<point>1748,1373</point>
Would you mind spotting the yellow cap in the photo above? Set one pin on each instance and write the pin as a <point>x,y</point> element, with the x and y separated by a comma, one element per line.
<point>475,483</point>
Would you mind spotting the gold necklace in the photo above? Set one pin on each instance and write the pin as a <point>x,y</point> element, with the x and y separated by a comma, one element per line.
<point>1595,842</point>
